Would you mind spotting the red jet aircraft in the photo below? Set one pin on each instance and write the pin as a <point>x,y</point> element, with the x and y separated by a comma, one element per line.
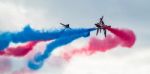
<point>101,25</point>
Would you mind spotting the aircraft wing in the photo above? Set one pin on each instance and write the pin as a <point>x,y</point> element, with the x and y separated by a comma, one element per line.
<point>97,31</point>
<point>62,24</point>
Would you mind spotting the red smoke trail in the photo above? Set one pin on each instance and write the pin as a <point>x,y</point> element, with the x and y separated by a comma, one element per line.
<point>19,50</point>
<point>127,36</point>
<point>122,37</point>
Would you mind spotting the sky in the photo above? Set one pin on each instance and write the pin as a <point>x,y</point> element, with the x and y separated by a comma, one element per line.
<point>47,14</point>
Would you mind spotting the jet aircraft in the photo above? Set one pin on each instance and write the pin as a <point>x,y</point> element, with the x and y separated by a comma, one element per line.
<point>101,26</point>
<point>66,26</point>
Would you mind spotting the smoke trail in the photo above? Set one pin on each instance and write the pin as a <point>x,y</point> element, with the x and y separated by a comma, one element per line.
<point>29,34</point>
<point>39,59</point>
<point>19,50</point>
<point>122,37</point>
<point>124,34</point>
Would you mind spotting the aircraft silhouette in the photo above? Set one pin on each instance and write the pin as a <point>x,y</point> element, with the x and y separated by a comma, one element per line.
<point>101,26</point>
<point>66,26</point>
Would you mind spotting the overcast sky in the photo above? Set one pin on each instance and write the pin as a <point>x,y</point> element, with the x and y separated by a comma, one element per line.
<point>47,14</point>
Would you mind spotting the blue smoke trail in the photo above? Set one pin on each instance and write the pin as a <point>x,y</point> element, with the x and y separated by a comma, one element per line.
<point>29,34</point>
<point>39,58</point>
